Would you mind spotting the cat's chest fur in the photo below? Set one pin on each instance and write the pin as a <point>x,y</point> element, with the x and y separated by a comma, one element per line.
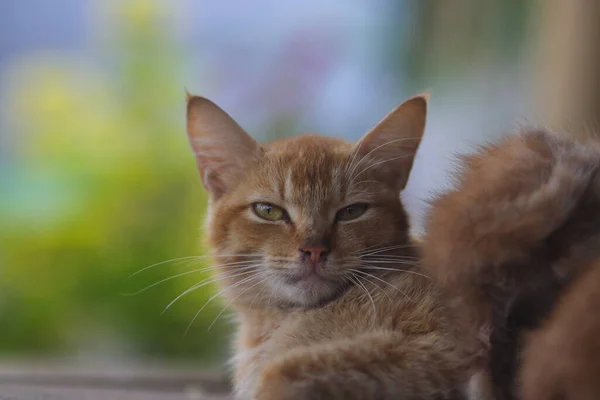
<point>406,304</point>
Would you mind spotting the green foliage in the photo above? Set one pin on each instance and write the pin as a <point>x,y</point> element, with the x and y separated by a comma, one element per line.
<point>102,185</point>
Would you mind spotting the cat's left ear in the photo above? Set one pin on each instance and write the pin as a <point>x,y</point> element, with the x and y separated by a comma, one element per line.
<point>392,144</point>
<point>223,150</point>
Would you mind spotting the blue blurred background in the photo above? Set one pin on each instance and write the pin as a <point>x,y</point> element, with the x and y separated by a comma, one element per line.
<point>96,179</point>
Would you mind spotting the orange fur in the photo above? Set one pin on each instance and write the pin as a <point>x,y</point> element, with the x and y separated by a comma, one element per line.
<point>521,223</point>
<point>562,360</point>
<point>326,331</point>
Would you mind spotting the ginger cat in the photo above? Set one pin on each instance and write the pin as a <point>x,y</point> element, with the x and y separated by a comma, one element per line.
<point>516,247</point>
<point>310,241</point>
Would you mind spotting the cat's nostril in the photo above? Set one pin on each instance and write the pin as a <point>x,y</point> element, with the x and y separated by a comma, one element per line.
<point>314,253</point>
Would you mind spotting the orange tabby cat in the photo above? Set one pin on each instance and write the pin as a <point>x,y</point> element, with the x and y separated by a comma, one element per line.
<point>523,225</point>
<point>311,245</point>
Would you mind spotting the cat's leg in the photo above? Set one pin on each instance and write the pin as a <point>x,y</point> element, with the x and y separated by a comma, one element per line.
<point>379,365</point>
<point>562,360</point>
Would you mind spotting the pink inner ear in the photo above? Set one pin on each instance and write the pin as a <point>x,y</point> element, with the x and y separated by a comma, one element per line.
<point>212,182</point>
<point>222,148</point>
<point>210,170</point>
<point>217,174</point>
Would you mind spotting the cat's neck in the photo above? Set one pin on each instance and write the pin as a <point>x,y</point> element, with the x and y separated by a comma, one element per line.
<point>257,324</point>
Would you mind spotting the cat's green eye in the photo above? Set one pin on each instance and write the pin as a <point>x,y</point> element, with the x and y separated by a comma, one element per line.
<point>269,212</point>
<point>351,212</point>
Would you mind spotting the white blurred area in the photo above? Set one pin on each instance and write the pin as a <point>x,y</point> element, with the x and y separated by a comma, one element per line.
<point>330,67</point>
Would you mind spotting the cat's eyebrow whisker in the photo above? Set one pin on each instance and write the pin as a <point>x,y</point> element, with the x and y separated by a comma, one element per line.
<point>351,161</point>
<point>377,148</point>
<point>408,271</point>
<point>363,193</point>
<point>221,292</point>
<point>354,166</point>
<point>381,162</point>
<point>189,258</point>
<point>368,154</point>
<point>202,283</point>
<point>387,283</point>
<point>363,182</point>
<point>406,260</point>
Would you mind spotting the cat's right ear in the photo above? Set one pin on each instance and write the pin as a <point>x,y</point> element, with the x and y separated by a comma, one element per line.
<point>222,148</point>
<point>392,144</point>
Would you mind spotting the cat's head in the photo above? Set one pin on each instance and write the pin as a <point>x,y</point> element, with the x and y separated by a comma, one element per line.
<point>292,221</point>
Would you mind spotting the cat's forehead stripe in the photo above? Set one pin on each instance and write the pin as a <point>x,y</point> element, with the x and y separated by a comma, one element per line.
<point>288,184</point>
<point>307,172</point>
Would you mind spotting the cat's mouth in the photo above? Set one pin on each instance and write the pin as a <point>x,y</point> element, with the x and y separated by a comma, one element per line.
<point>314,277</point>
<point>309,288</point>
<point>308,274</point>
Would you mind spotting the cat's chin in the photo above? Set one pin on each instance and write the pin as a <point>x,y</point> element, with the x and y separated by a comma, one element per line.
<point>311,291</point>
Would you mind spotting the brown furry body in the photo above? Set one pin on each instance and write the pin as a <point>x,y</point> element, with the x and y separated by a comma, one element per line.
<point>343,351</point>
<point>523,223</point>
<point>329,306</point>
<point>562,360</point>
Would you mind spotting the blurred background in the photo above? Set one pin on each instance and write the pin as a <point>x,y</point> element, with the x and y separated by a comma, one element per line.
<point>96,179</point>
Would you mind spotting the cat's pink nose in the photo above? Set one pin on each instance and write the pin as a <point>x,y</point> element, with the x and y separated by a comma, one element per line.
<point>315,253</point>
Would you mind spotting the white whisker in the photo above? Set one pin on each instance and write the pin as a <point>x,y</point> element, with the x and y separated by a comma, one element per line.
<point>392,258</point>
<point>243,281</point>
<point>194,271</point>
<point>383,261</point>
<point>189,258</point>
<point>205,282</point>
<point>260,292</point>
<point>395,269</point>
<point>381,162</point>
<point>378,287</point>
<point>387,283</point>
<point>240,265</point>
<point>234,299</point>
<point>363,287</point>
<point>384,249</point>
<point>364,158</point>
